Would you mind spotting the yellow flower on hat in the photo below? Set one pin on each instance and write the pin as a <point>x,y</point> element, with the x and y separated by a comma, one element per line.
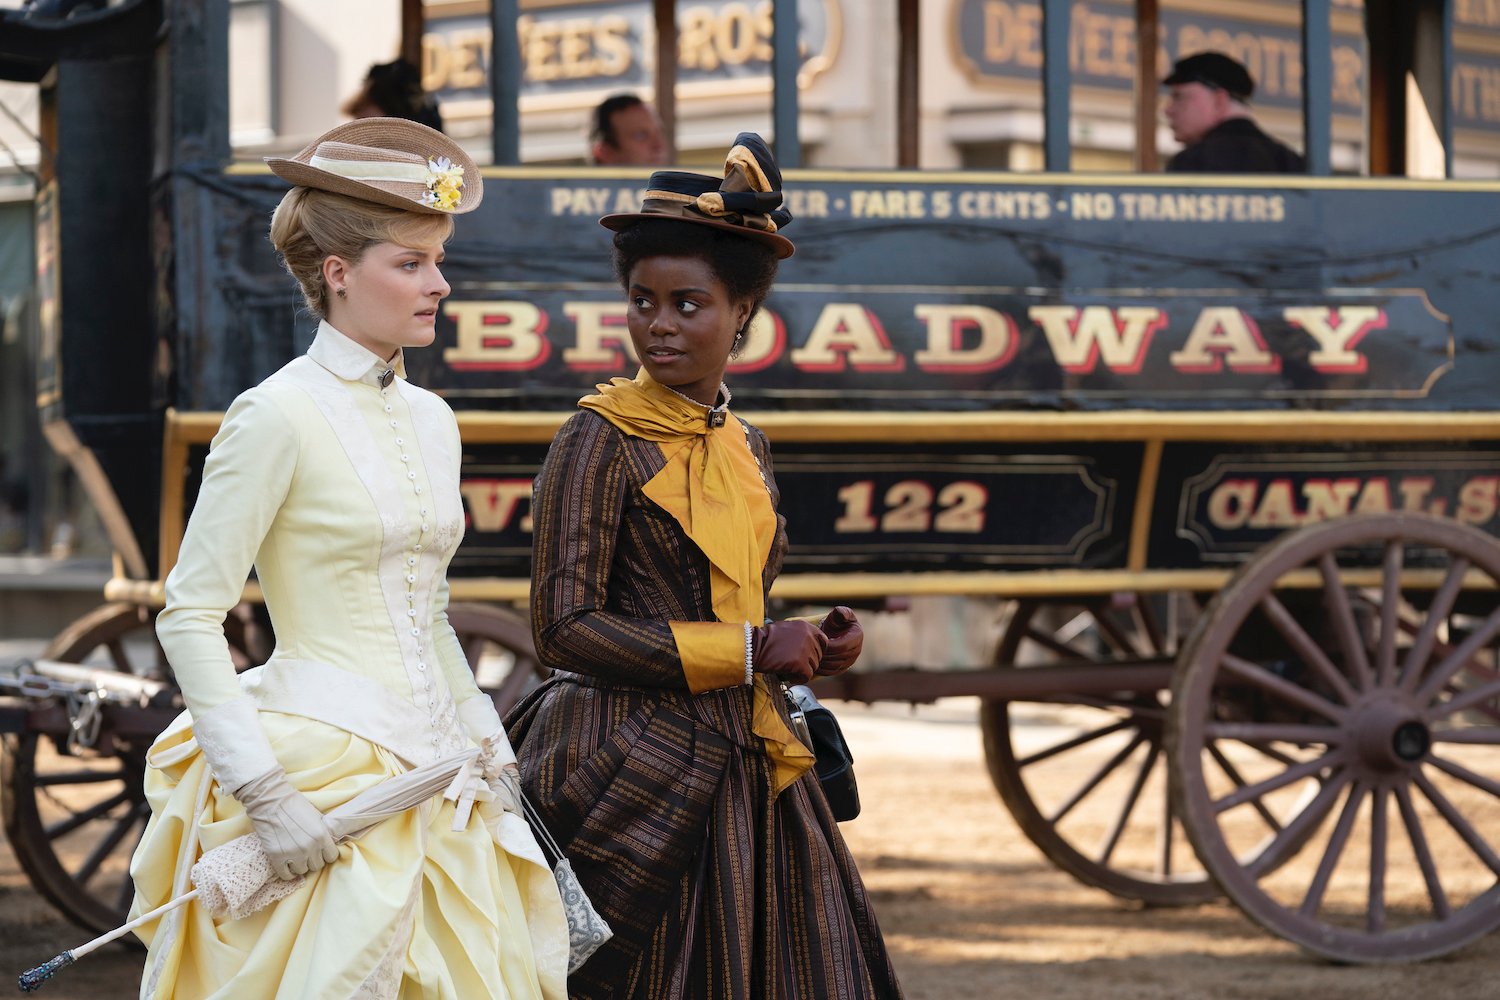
<point>444,184</point>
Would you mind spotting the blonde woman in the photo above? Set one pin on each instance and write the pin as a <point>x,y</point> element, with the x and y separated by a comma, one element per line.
<point>338,480</point>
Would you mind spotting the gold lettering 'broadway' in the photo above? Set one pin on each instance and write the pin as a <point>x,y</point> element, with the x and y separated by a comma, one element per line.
<point>850,336</point>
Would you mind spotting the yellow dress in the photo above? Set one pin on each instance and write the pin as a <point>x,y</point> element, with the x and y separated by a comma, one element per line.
<point>343,493</point>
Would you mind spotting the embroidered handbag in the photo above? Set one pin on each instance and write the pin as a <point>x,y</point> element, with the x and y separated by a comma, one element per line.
<point>587,931</point>
<point>835,763</point>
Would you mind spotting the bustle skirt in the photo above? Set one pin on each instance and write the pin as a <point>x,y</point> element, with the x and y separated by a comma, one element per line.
<point>411,908</point>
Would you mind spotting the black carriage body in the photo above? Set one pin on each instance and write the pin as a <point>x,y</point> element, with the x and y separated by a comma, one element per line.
<point>988,365</point>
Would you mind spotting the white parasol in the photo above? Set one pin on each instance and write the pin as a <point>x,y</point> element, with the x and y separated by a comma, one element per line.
<point>235,879</point>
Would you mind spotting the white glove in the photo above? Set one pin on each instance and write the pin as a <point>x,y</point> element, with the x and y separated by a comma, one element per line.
<point>505,783</point>
<point>294,834</point>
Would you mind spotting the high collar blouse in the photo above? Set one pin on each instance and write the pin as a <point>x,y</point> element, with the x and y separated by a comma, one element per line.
<point>339,482</point>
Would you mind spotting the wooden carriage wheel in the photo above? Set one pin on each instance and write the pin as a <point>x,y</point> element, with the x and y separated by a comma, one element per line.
<point>74,819</point>
<point>1355,728</point>
<point>1044,774</point>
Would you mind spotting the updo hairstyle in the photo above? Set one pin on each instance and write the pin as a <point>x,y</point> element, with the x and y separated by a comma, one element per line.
<point>310,225</point>
<point>745,266</point>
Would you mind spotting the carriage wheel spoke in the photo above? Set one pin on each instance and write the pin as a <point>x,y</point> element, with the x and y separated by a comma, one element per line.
<point>1115,705</point>
<point>1254,793</point>
<point>1463,774</point>
<point>1234,775</point>
<point>1333,850</point>
<point>1483,735</point>
<point>1164,837</point>
<point>1184,608</point>
<point>1304,646</point>
<point>88,815</point>
<point>1375,914</point>
<point>1461,654</point>
<point>1076,741</point>
<point>1145,618</point>
<point>1112,840</point>
<point>1390,598</point>
<point>106,847</point>
<point>79,777</point>
<point>1467,699</point>
<point>1423,852</point>
<point>118,657</point>
<point>1098,776</point>
<point>1455,819</point>
<point>1437,613</point>
<point>1112,631</point>
<point>1048,641</point>
<point>1336,601</point>
<point>1104,703</point>
<point>1261,677</point>
<point>1267,750</point>
<point>1302,825</point>
<point>1482,672</point>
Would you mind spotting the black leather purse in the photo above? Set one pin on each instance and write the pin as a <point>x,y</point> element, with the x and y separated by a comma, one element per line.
<point>819,730</point>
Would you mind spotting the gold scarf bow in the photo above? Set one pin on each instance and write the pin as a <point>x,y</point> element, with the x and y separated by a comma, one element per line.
<point>711,485</point>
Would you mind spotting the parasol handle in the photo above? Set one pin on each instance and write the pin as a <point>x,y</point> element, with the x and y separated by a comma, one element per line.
<point>33,979</point>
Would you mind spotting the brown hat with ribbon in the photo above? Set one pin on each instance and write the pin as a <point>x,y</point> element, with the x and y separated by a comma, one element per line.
<point>390,161</point>
<point>746,202</point>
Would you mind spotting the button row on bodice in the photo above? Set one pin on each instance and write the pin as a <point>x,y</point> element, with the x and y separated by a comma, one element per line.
<point>411,562</point>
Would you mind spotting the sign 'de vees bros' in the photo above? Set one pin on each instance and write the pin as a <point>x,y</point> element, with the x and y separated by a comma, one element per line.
<point>1002,40</point>
<point>584,46</point>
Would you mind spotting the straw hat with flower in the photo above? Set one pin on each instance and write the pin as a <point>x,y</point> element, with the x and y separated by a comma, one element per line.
<point>389,161</point>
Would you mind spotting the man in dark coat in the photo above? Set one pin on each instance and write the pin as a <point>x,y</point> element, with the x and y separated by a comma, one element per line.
<point>1209,113</point>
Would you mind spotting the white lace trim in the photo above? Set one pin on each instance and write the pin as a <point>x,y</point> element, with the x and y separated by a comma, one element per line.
<point>236,748</point>
<point>384,981</point>
<point>236,880</point>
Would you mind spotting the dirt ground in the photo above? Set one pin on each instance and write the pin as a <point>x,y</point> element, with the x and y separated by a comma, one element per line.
<point>969,907</point>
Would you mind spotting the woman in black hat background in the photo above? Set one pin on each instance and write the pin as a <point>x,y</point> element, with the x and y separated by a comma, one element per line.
<point>338,480</point>
<point>660,751</point>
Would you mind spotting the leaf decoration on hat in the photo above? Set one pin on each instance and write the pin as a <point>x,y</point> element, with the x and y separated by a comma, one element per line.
<point>445,182</point>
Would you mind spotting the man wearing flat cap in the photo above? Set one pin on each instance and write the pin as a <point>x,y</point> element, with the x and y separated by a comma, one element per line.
<point>1209,112</point>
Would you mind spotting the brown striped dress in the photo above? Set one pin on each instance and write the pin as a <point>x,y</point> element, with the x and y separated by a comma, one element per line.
<point>662,799</point>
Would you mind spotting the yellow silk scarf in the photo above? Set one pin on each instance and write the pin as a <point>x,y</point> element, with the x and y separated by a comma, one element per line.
<point>712,485</point>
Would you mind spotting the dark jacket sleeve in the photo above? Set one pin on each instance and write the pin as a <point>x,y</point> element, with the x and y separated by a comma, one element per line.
<point>577,505</point>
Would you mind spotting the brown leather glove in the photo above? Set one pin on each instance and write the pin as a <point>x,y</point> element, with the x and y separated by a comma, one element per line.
<point>845,639</point>
<point>790,650</point>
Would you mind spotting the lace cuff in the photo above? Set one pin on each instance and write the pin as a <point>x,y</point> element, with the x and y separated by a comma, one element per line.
<point>233,743</point>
